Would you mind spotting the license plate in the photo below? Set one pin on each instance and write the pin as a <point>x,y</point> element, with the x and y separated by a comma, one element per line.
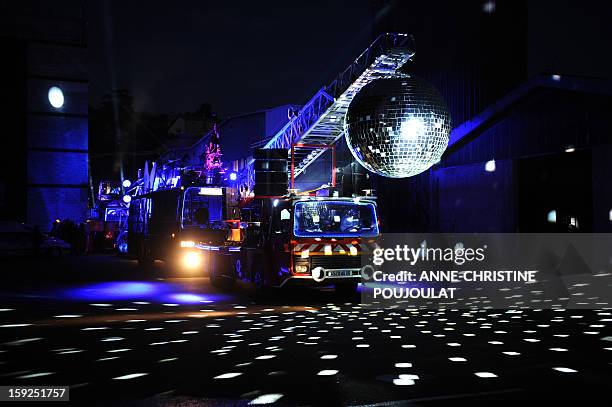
<point>339,273</point>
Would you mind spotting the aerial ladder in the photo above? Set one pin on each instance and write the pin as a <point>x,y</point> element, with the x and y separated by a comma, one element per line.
<point>320,123</point>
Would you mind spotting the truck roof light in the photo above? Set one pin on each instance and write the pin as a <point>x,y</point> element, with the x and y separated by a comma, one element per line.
<point>211,191</point>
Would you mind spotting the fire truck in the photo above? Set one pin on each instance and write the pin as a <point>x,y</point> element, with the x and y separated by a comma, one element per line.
<point>198,227</point>
<point>255,225</point>
<point>169,216</point>
<point>297,240</point>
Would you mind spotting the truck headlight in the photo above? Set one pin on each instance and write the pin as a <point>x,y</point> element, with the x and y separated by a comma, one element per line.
<point>192,260</point>
<point>301,268</point>
<point>187,243</point>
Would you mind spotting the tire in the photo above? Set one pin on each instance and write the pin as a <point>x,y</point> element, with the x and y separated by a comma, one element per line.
<point>258,279</point>
<point>143,259</point>
<point>218,270</point>
<point>171,267</point>
<point>215,280</point>
<point>262,289</point>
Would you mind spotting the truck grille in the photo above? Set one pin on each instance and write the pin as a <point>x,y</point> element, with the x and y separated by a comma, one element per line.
<point>336,262</point>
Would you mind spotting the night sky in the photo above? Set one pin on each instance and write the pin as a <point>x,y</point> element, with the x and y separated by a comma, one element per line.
<point>239,56</point>
<point>242,56</point>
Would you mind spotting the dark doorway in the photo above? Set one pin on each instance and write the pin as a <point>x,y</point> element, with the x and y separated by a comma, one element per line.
<point>555,193</point>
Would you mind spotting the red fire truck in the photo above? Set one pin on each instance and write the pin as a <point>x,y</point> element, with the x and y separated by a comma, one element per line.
<point>276,237</point>
<point>314,238</point>
<point>297,240</point>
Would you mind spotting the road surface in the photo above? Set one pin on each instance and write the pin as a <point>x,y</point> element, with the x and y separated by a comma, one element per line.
<point>118,335</point>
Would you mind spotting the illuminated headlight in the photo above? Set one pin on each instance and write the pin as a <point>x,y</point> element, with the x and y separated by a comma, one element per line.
<point>301,268</point>
<point>192,260</point>
<point>187,243</point>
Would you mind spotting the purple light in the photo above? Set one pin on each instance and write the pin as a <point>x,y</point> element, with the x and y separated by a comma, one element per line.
<point>233,176</point>
<point>160,292</point>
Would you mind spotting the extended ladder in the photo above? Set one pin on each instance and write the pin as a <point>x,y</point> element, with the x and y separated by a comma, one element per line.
<point>321,120</point>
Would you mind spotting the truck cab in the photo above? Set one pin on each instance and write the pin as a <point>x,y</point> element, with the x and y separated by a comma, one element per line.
<point>301,240</point>
<point>170,224</point>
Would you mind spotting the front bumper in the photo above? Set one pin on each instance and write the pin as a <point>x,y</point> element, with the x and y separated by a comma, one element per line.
<point>330,276</point>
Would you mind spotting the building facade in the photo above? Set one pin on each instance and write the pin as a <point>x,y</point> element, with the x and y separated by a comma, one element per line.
<point>537,160</point>
<point>44,174</point>
<point>239,135</point>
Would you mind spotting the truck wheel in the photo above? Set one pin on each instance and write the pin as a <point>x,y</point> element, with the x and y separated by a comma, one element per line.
<point>261,288</point>
<point>215,280</point>
<point>347,290</point>
<point>218,271</point>
<point>213,274</point>
<point>171,267</point>
<point>258,280</point>
<point>143,259</point>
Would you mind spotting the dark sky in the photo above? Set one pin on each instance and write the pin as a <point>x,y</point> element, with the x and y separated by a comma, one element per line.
<point>246,55</point>
<point>240,56</point>
<point>570,37</point>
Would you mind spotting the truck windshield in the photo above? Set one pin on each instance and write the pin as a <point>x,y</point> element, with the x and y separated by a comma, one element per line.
<point>335,219</point>
<point>201,209</point>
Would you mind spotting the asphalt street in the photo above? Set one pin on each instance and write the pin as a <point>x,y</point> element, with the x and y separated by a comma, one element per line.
<point>120,335</point>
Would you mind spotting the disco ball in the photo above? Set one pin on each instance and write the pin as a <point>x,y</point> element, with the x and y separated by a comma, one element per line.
<point>397,127</point>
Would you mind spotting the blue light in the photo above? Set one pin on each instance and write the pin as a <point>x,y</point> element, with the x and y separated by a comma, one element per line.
<point>120,290</point>
<point>233,176</point>
<point>187,298</point>
<point>160,292</point>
